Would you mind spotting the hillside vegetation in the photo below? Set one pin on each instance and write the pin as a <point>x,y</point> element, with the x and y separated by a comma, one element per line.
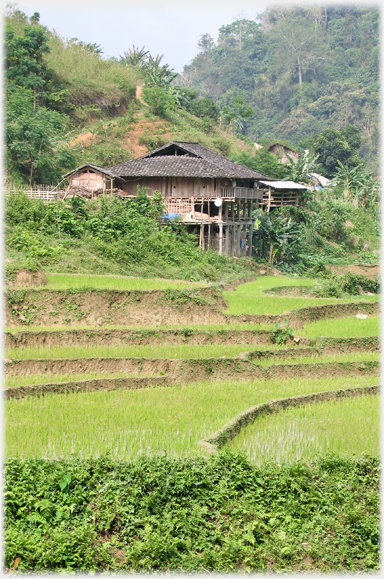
<point>66,105</point>
<point>301,69</point>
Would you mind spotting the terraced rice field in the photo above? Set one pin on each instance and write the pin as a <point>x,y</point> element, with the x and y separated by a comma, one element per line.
<point>257,297</point>
<point>114,282</point>
<point>344,426</point>
<point>100,364</point>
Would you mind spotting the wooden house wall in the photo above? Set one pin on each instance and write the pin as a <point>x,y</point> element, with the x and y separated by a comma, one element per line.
<point>90,180</point>
<point>174,186</point>
<point>152,183</point>
<point>181,186</point>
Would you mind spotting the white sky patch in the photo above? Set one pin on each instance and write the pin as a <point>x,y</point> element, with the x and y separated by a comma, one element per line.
<point>167,28</point>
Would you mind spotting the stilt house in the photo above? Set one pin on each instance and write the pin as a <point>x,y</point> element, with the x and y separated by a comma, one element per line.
<point>206,190</point>
<point>209,193</point>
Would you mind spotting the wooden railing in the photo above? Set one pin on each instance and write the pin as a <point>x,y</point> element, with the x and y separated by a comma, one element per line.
<point>224,192</point>
<point>43,192</point>
<point>181,206</point>
<point>242,193</point>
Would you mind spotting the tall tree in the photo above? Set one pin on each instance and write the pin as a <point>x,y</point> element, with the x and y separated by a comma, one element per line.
<point>334,146</point>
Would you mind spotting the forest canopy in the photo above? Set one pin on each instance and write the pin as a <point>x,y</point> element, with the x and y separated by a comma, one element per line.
<point>301,69</point>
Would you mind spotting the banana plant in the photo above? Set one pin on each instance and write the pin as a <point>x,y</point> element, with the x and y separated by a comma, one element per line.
<point>275,236</point>
<point>300,171</point>
<point>348,179</point>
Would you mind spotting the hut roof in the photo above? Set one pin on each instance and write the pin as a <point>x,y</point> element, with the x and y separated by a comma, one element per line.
<point>184,159</point>
<point>107,172</point>
<point>277,144</point>
<point>283,185</point>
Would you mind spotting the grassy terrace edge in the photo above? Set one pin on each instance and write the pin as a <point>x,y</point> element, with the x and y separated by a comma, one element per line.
<point>218,439</point>
<point>187,372</point>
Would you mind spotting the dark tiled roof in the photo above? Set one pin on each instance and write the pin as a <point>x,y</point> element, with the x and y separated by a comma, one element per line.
<point>168,166</point>
<point>283,146</point>
<point>202,163</point>
<point>107,172</point>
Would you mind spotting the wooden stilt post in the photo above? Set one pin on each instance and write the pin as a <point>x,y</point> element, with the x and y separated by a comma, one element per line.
<point>226,242</point>
<point>209,236</point>
<point>201,240</point>
<point>269,200</point>
<point>226,211</point>
<point>250,234</point>
<point>220,238</point>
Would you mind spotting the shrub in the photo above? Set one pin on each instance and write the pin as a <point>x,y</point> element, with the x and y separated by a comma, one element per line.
<point>281,335</point>
<point>349,283</point>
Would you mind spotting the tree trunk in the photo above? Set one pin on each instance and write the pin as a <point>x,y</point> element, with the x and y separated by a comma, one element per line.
<point>271,254</point>
<point>300,77</point>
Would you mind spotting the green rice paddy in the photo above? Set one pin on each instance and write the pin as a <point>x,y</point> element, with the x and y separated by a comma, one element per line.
<point>250,299</point>
<point>127,423</point>
<point>179,351</point>
<point>320,358</point>
<point>36,379</point>
<point>349,327</point>
<point>63,281</point>
<point>171,420</point>
<point>346,426</point>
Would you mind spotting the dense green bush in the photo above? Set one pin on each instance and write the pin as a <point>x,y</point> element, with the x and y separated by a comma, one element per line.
<point>120,236</point>
<point>221,514</point>
<point>348,283</point>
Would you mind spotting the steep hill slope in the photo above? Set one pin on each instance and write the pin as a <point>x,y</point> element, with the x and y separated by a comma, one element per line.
<point>302,69</point>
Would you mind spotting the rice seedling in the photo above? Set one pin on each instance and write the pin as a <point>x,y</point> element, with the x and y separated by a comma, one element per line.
<point>267,282</point>
<point>319,357</point>
<point>250,299</point>
<point>35,379</point>
<point>348,426</point>
<point>62,281</point>
<point>175,351</point>
<point>350,327</point>
<point>127,423</point>
<point>205,327</point>
<point>255,305</point>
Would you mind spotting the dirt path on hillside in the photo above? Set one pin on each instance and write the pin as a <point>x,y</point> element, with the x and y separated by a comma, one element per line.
<point>371,271</point>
